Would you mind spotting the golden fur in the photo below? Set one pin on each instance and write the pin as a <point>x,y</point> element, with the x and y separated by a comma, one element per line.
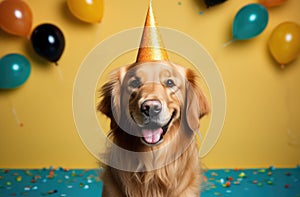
<point>173,169</point>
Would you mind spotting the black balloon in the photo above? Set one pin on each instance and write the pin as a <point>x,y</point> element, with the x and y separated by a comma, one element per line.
<point>48,41</point>
<point>210,3</point>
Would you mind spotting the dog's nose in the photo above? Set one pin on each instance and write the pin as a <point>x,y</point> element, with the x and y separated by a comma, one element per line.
<point>151,107</point>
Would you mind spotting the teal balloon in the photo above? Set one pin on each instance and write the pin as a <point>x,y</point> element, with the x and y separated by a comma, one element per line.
<point>14,71</point>
<point>250,21</point>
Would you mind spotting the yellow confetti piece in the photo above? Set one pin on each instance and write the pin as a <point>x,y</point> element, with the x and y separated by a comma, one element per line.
<point>19,178</point>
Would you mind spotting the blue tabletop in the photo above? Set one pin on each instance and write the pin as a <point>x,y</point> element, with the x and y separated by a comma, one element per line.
<point>60,182</point>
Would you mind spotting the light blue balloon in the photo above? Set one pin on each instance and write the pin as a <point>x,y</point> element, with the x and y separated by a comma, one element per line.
<point>250,21</point>
<point>14,71</point>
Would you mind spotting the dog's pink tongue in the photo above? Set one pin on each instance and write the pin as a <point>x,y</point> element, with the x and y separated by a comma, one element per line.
<point>152,136</point>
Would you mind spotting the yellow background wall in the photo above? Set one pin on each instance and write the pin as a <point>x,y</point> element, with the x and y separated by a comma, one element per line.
<point>262,125</point>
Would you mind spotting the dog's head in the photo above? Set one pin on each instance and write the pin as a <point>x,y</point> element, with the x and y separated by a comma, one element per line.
<point>150,101</point>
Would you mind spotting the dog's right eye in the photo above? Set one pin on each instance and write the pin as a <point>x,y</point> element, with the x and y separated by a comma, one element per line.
<point>170,83</point>
<point>135,83</point>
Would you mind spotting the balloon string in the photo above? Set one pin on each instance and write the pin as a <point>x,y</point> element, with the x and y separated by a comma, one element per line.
<point>292,138</point>
<point>16,116</point>
<point>229,42</point>
<point>200,135</point>
<point>60,73</point>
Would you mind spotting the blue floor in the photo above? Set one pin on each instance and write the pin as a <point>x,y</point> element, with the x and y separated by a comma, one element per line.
<point>80,183</point>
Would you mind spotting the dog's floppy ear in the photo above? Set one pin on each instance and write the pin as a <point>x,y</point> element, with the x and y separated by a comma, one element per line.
<point>196,105</point>
<point>110,93</point>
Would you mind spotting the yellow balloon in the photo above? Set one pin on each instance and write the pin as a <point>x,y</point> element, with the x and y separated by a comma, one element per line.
<point>90,11</point>
<point>284,42</point>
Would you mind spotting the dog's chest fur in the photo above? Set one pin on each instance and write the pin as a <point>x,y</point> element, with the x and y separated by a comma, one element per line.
<point>179,178</point>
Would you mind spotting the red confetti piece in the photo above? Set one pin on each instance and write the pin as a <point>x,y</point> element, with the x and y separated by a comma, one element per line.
<point>286,186</point>
<point>227,184</point>
<point>229,178</point>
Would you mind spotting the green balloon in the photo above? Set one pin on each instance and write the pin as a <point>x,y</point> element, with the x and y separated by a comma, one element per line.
<point>250,21</point>
<point>14,71</point>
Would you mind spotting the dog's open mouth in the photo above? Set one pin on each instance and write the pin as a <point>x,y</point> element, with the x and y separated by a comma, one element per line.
<point>153,135</point>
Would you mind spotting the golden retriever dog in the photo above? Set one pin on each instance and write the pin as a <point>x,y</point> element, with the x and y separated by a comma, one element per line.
<point>155,108</point>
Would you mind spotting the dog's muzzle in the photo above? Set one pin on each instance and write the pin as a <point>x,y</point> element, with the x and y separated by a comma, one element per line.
<point>151,108</point>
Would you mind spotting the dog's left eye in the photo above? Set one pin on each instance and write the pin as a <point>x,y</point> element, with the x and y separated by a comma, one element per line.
<point>170,83</point>
<point>135,83</point>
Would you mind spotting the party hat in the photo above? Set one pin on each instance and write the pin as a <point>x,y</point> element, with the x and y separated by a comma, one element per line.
<point>151,46</point>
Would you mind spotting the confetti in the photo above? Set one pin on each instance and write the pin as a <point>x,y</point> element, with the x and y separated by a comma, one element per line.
<point>27,188</point>
<point>272,168</point>
<point>229,178</point>
<point>270,182</point>
<point>50,192</point>
<point>259,184</point>
<point>223,182</point>
<point>227,184</point>
<point>286,186</point>
<point>19,179</point>
<point>51,174</point>
<point>28,173</point>
<point>35,187</point>
<point>242,175</point>
<point>73,173</point>
<point>217,194</point>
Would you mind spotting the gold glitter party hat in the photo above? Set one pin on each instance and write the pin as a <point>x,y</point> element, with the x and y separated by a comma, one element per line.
<point>151,46</point>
